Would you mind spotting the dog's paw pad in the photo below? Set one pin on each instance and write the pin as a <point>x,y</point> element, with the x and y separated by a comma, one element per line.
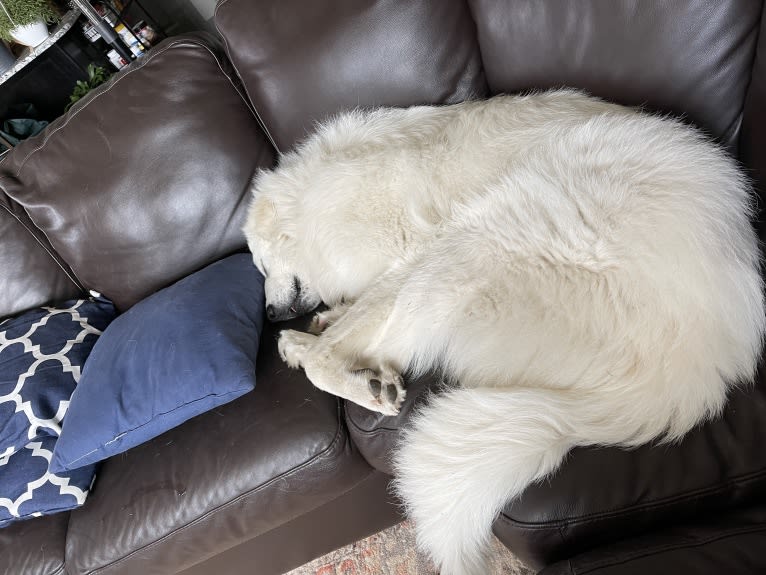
<point>387,389</point>
<point>392,394</point>
<point>395,394</point>
<point>375,387</point>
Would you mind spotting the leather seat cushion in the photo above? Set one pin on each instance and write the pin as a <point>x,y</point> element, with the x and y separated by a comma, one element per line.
<point>218,480</point>
<point>34,546</point>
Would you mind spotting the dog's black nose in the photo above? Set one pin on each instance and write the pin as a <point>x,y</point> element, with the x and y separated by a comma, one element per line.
<point>271,313</point>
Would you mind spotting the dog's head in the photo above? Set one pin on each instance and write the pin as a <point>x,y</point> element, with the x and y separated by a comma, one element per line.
<point>271,237</point>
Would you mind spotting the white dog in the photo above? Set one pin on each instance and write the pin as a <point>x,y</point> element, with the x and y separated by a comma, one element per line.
<point>586,272</point>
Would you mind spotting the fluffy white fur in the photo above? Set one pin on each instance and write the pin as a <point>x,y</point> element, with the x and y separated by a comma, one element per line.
<point>586,272</point>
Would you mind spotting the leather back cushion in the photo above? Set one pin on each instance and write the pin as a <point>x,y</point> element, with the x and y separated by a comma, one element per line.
<point>689,57</point>
<point>146,181</point>
<point>302,61</point>
<point>32,274</point>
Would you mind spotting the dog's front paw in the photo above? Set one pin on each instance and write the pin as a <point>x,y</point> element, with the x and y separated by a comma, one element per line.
<point>293,347</point>
<point>387,390</point>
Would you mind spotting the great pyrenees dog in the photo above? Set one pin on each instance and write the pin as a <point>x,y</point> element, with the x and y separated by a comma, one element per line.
<point>586,272</point>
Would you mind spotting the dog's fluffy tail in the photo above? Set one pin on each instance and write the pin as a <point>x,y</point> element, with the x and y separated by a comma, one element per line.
<point>469,451</point>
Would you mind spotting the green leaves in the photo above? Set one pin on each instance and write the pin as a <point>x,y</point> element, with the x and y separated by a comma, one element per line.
<point>96,76</point>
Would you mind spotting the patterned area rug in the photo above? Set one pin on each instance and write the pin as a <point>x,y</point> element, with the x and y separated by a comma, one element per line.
<point>392,552</point>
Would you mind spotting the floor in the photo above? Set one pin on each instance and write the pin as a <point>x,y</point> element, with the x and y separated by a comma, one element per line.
<point>392,552</point>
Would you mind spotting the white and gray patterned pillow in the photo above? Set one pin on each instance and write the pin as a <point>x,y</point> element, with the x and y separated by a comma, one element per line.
<point>42,353</point>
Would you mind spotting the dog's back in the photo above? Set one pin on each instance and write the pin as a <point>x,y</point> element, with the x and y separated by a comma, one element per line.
<point>587,272</point>
<point>562,226</point>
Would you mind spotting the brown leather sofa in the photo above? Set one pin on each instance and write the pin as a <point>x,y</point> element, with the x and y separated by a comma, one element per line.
<point>145,182</point>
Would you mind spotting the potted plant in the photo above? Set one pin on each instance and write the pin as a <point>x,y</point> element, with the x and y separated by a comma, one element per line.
<point>96,76</point>
<point>26,21</point>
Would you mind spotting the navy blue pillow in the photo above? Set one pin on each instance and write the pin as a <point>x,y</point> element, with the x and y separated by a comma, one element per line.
<point>42,352</point>
<point>180,352</point>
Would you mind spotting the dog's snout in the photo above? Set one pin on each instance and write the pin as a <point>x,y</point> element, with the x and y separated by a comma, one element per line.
<point>288,297</point>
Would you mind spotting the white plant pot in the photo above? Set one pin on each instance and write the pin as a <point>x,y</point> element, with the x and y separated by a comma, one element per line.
<point>31,34</point>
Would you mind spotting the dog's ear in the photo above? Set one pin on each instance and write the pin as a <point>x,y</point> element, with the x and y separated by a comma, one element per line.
<point>264,213</point>
<point>261,221</point>
<point>271,207</point>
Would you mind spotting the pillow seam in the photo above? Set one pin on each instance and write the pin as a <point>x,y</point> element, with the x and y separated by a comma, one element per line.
<point>142,425</point>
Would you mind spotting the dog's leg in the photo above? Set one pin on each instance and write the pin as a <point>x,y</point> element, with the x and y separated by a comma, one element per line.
<point>348,358</point>
<point>379,390</point>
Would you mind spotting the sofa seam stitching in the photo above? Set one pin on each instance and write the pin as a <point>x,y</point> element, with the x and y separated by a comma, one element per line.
<point>338,496</point>
<point>327,450</point>
<point>180,42</point>
<point>738,120</point>
<point>150,57</point>
<point>70,274</point>
<point>758,26</point>
<point>85,105</point>
<point>745,478</point>
<point>70,465</point>
<point>239,74</point>
<point>250,107</point>
<point>672,547</point>
<point>374,431</point>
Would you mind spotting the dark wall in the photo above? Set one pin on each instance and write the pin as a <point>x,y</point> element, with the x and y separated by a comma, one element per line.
<point>46,83</point>
<point>179,16</point>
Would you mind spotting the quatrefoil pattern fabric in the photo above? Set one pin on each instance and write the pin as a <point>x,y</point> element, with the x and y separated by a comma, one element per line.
<point>42,353</point>
<point>28,488</point>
